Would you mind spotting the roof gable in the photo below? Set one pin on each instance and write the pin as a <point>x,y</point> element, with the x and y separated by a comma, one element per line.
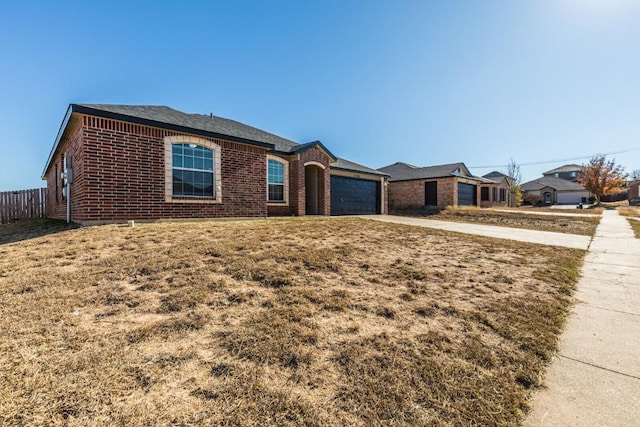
<point>404,172</point>
<point>309,145</point>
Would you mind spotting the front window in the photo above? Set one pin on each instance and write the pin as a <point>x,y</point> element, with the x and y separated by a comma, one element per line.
<point>484,194</point>
<point>275,179</point>
<point>193,171</point>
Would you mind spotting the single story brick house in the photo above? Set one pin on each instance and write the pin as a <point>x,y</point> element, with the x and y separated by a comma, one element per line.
<point>501,192</point>
<point>127,162</point>
<point>442,185</point>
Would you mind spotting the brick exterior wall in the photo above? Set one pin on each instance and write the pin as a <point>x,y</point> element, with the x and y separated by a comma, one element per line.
<point>634,190</point>
<point>410,194</point>
<point>119,174</point>
<point>297,189</point>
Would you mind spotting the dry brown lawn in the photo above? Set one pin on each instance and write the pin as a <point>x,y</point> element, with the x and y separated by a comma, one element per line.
<point>593,210</point>
<point>633,216</point>
<point>561,224</point>
<point>314,322</point>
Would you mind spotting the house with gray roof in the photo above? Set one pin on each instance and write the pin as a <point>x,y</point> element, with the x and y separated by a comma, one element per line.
<point>442,185</point>
<point>557,186</point>
<point>114,163</point>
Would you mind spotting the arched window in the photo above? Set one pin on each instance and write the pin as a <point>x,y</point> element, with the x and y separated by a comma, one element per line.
<point>193,171</point>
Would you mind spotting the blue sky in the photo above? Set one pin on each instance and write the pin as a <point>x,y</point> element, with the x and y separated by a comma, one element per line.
<point>424,82</point>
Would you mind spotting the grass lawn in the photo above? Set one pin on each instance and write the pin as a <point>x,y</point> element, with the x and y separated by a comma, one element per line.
<point>633,216</point>
<point>595,210</point>
<point>562,224</point>
<point>318,322</point>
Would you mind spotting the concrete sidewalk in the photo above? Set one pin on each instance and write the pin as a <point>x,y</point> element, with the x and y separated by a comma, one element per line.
<point>595,378</point>
<point>519,234</point>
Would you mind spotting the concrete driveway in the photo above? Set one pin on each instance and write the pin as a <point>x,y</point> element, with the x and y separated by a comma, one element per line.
<point>522,235</point>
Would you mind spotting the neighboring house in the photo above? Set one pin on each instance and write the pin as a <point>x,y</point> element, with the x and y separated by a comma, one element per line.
<point>550,190</point>
<point>153,162</point>
<point>567,172</point>
<point>634,190</point>
<point>443,185</point>
<point>502,195</point>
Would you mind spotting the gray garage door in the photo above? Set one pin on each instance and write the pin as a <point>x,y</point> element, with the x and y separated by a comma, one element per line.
<point>467,195</point>
<point>353,196</point>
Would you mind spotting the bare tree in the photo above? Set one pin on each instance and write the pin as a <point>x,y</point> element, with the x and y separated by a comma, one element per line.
<point>602,177</point>
<point>635,174</point>
<point>515,179</point>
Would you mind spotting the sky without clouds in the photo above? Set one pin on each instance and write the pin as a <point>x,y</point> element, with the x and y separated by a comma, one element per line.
<point>424,82</point>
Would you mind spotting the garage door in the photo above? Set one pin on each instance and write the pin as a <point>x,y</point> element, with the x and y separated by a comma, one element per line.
<point>572,197</point>
<point>467,195</point>
<point>353,196</point>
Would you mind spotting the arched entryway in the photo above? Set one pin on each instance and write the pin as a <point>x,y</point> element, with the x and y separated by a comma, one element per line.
<point>313,184</point>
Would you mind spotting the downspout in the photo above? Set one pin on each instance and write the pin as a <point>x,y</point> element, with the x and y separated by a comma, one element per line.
<point>68,191</point>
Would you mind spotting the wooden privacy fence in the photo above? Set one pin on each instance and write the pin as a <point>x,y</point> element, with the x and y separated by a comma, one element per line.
<point>23,204</point>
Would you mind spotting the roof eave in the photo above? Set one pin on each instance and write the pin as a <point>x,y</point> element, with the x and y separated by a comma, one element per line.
<point>358,171</point>
<point>63,126</point>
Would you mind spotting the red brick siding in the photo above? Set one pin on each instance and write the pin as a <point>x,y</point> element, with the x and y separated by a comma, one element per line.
<point>634,190</point>
<point>119,175</point>
<point>297,182</point>
<point>57,206</point>
<point>410,194</point>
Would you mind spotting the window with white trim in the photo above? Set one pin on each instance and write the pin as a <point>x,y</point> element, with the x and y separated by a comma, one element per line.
<point>275,181</point>
<point>193,172</point>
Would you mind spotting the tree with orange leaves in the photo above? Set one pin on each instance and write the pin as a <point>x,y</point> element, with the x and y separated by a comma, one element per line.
<point>602,177</point>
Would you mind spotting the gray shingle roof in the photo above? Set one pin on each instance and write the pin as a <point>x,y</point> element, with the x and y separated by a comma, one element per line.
<point>498,177</point>
<point>564,168</point>
<point>162,115</point>
<point>405,172</point>
<point>557,184</point>
<point>495,174</point>
<point>203,122</point>
<point>355,167</point>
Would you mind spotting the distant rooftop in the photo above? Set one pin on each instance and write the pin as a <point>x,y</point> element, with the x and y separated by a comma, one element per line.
<point>401,171</point>
<point>564,168</point>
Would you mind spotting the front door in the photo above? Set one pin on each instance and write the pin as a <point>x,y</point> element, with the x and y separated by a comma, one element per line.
<point>312,193</point>
<point>431,193</point>
<point>547,198</point>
